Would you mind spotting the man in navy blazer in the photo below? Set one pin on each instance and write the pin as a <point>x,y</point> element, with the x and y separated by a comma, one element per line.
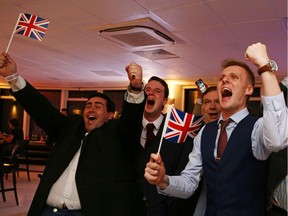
<point>88,172</point>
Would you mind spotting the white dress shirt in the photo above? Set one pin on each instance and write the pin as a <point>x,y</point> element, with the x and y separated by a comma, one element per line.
<point>157,124</point>
<point>64,190</point>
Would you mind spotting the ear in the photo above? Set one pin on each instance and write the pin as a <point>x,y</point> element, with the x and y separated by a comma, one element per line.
<point>165,101</point>
<point>110,115</point>
<point>249,90</point>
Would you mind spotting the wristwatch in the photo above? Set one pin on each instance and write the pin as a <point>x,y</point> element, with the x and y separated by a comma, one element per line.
<point>270,66</point>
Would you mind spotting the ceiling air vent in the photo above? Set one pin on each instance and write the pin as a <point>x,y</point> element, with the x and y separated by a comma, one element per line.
<point>106,73</point>
<point>138,34</point>
<point>157,54</point>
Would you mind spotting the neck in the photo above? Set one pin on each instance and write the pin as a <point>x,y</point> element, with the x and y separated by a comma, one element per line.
<point>228,113</point>
<point>151,118</point>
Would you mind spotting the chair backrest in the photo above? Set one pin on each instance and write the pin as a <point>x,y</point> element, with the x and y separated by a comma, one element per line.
<point>14,153</point>
<point>23,146</point>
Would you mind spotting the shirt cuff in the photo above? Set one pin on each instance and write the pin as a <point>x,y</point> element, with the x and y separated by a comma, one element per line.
<point>134,98</point>
<point>20,84</point>
<point>169,188</point>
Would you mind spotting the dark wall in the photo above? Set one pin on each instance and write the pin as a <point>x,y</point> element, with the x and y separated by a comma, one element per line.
<point>9,109</point>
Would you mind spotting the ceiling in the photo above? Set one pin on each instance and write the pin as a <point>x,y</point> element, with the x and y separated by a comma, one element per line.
<point>74,55</point>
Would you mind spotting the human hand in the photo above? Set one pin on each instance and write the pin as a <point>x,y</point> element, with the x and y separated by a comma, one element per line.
<point>134,72</point>
<point>257,54</point>
<point>199,92</point>
<point>155,172</point>
<point>7,65</point>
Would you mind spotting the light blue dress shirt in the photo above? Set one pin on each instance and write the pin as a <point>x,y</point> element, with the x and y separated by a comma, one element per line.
<point>270,133</point>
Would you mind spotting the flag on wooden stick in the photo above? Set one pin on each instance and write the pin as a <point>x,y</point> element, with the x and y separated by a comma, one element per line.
<point>31,26</point>
<point>180,126</point>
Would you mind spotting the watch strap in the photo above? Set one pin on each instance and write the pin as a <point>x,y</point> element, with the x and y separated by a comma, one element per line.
<point>270,66</point>
<point>264,68</point>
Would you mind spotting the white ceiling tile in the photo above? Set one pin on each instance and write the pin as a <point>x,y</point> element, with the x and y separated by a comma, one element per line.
<point>211,30</point>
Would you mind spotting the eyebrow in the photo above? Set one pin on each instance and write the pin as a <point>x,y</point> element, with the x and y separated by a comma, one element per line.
<point>148,87</point>
<point>97,102</point>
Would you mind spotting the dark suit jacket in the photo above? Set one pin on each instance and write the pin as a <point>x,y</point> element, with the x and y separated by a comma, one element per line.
<point>175,158</point>
<point>276,169</point>
<point>104,177</point>
<point>276,166</point>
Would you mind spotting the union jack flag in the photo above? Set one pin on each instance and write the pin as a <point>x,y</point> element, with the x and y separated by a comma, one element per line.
<point>180,126</point>
<point>32,26</point>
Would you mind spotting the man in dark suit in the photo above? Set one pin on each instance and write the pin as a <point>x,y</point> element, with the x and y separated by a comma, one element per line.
<point>277,174</point>
<point>175,155</point>
<point>88,172</point>
<point>157,96</point>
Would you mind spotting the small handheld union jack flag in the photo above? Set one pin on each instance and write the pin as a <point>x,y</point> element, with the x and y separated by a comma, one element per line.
<point>180,126</point>
<point>32,26</point>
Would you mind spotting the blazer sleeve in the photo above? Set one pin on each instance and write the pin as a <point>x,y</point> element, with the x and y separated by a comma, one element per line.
<point>40,109</point>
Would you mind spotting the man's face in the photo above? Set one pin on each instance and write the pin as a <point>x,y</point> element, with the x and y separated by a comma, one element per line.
<point>233,89</point>
<point>155,100</point>
<point>95,113</point>
<point>210,108</point>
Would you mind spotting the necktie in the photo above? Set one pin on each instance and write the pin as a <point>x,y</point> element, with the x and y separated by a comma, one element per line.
<point>222,142</point>
<point>149,135</point>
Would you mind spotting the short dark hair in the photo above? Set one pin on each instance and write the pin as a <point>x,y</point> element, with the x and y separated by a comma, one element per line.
<point>234,62</point>
<point>209,89</point>
<point>14,122</point>
<point>163,83</point>
<point>109,103</point>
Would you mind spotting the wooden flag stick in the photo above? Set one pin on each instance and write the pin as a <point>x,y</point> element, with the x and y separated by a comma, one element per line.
<point>165,127</point>
<point>13,33</point>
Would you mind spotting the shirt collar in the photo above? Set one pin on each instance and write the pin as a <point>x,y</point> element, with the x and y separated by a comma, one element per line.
<point>237,117</point>
<point>157,122</point>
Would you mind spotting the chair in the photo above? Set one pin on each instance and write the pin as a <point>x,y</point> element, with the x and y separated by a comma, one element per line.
<point>9,166</point>
<point>23,156</point>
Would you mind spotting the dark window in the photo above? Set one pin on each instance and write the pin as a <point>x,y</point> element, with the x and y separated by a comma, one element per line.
<point>190,96</point>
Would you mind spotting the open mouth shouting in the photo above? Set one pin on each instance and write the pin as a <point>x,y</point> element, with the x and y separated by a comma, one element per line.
<point>150,101</point>
<point>213,115</point>
<point>91,118</point>
<point>226,93</point>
